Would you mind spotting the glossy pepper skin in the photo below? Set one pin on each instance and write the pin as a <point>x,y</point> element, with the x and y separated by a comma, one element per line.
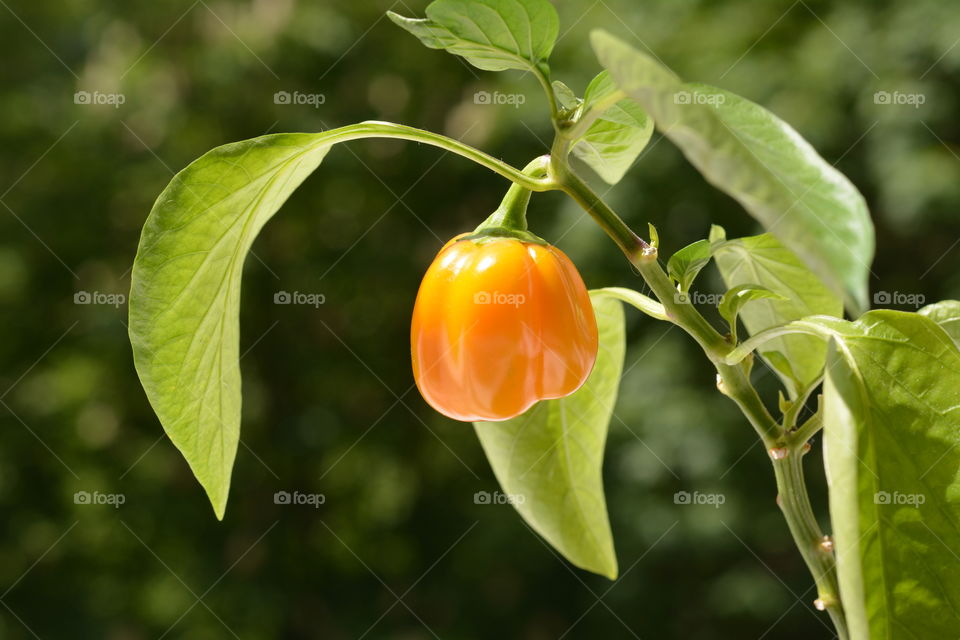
<point>499,324</point>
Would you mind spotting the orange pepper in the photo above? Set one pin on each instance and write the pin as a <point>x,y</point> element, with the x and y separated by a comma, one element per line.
<point>499,324</point>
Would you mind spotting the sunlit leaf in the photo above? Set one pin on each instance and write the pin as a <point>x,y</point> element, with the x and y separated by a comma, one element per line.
<point>619,133</point>
<point>491,34</point>
<point>185,292</point>
<point>755,157</point>
<point>892,430</point>
<point>736,297</point>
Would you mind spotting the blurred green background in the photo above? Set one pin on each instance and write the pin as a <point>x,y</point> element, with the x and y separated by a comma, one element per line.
<point>399,549</point>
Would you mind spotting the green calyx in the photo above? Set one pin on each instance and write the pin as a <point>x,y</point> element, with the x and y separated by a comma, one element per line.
<point>490,234</point>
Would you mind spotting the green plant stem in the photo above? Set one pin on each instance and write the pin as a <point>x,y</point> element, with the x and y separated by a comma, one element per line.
<point>733,379</point>
<point>802,434</point>
<point>543,78</point>
<point>630,243</point>
<point>377,129</point>
<point>805,327</point>
<point>817,552</point>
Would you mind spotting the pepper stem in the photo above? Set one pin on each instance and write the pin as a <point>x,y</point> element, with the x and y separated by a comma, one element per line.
<point>511,215</point>
<point>512,212</point>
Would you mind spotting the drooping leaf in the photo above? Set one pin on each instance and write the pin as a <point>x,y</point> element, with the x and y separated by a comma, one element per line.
<point>549,459</point>
<point>892,429</point>
<point>684,265</point>
<point>618,134</point>
<point>764,261</point>
<point>947,314</point>
<point>491,34</point>
<point>737,296</point>
<point>185,292</point>
<point>759,160</point>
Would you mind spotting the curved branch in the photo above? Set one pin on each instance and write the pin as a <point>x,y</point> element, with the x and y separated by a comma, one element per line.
<point>378,129</point>
<point>806,327</point>
<point>637,300</point>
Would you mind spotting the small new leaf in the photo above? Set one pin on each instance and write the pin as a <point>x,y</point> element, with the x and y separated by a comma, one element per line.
<point>763,260</point>
<point>654,236</point>
<point>566,98</point>
<point>734,299</point>
<point>685,264</point>
<point>619,130</point>
<point>490,34</point>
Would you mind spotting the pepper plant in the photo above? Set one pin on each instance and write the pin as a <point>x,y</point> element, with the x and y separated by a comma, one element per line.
<point>885,384</point>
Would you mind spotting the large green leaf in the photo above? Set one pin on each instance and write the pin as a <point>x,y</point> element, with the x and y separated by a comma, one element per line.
<point>762,260</point>
<point>619,131</point>
<point>185,292</point>
<point>759,160</point>
<point>491,34</point>
<point>550,458</point>
<point>892,430</point>
<point>947,314</point>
